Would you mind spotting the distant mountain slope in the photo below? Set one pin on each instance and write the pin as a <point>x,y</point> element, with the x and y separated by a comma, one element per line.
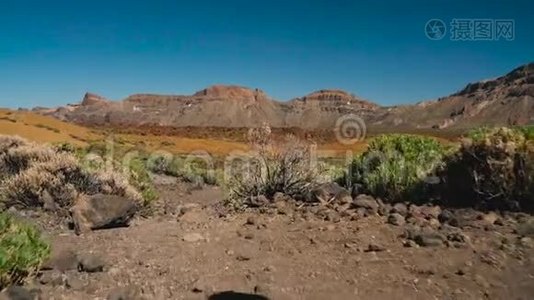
<point>507,100</point>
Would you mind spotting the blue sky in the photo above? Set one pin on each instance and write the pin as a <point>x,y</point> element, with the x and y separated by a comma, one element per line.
<point>52,52</point>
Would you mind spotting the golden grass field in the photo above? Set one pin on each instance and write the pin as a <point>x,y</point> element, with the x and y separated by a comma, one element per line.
<point>44,129</point>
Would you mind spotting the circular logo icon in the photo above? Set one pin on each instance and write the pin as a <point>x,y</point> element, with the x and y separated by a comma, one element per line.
<point>435,29</point>
<point>350,129</point>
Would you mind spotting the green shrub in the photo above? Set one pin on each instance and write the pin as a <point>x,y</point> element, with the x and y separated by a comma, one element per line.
<point>140,179</point>
<point>395,166</point>
<point>493,169</point>
<point>284,168</point>
<point>195,170</point>
<point>528,132</point>
<point>22,250</point>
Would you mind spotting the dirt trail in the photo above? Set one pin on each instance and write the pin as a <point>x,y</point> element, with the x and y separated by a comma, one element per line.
<point>285,256</point>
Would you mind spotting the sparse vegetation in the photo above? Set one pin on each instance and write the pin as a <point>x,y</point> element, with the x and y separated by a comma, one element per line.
<point>99,156</point>
<point>22,250</point>
<point>395,166</point>
<point>192,169</point>
<point>32,173</point>
<point>493,169</point>
<point>284,168</point>
<point>48,128</point>
<point>8,119</point>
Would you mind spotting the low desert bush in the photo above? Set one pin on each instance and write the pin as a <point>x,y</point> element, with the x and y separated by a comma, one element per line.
<point>395,166</point>
<point>274,167</point>
<point>32,173</point>
<point>493,169</point>
<point>139,177</point>
<point>22,250</point>
<point>192,170</point>
<point>107,158</point>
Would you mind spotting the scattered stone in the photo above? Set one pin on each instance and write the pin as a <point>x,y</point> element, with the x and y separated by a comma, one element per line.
<point>361,212</point>
<point>188,207</point>
<point>367,202</point>
<point>53,278</point>
<point>192,237</point>
<point>258,201</point>
<point>16,292</point>
<point>74,283</point>
<point>526,242</point>
<point>429,239</point>
<point>413,220</point>
<point>430,211</point>
<point>249,236</point>
<point>445,216</point>
<point>251,220</point>
<point>396,219</point>
<point>332,216</point>
<point>410,232</point>
<point>328,193</point>
<point>434,223</point>
<point>330,227</point>
<point>526,228</point>
<point>384,209</point>
<point>489,218</point>
<point>242,257</point>
<point>410,244</point>
<point>375,248</point>
<point>457,237</point>
<point>61,261</point>
<point>91,263</point>
<point>282,208</point>
<point>460,272</point>
<point>124,293</point>
<point>400,208</point>
<point>101,211</point>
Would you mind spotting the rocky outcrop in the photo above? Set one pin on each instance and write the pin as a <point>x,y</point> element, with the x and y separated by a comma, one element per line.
<point>231,92</point>
<point>91,99</point>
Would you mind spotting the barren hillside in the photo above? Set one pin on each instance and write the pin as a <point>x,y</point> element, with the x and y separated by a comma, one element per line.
<point>506,100</point>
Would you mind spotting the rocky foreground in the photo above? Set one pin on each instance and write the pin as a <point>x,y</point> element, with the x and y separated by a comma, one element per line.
<point>340,247</point>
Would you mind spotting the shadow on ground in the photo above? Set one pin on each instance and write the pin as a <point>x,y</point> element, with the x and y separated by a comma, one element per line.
<point>230,295</point>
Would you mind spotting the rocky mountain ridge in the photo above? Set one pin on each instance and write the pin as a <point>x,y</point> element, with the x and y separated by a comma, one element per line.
<point>507,100</point>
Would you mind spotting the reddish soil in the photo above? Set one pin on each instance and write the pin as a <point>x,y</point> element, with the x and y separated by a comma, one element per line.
<point>287,256</point>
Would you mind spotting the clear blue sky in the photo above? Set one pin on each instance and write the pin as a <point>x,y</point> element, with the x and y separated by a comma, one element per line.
<point>52,52</point>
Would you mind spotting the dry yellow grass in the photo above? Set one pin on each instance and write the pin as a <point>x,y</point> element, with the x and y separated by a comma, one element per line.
<point>46,129</point>
<point>43,129</point>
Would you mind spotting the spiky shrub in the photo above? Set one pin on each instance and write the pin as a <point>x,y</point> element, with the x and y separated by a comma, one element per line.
<point>493,169</point>
<point>395,166</point>
<point>22,250</point>
<point>274,167</point>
